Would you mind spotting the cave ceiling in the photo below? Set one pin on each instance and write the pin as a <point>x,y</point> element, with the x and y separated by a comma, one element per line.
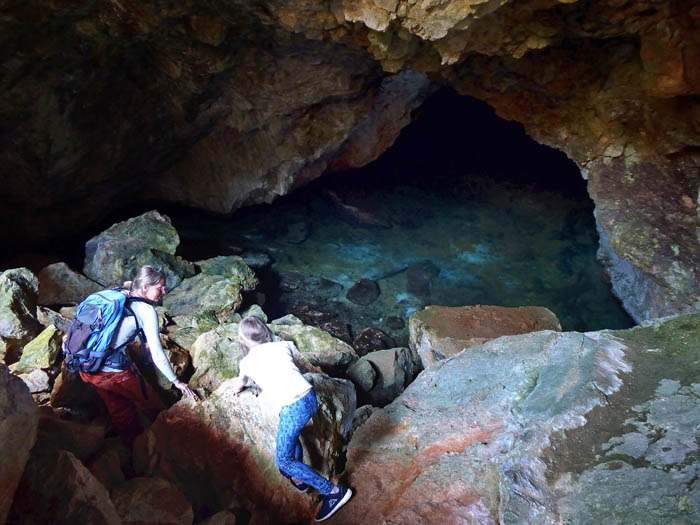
<point>222,104</point>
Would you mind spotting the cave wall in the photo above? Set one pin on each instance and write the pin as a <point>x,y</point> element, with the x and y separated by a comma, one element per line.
<point>227,103</point>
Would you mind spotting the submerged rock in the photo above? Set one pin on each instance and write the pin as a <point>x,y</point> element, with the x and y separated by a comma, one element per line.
<point>438,332</point>
<point>544,427</point>
<point>364,292</point>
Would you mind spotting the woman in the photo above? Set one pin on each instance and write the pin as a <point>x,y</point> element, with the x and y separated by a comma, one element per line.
<point>270,365</point>
<point>118,383</point>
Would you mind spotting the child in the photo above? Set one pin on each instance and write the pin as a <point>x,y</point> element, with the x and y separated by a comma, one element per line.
<point>270,365</point>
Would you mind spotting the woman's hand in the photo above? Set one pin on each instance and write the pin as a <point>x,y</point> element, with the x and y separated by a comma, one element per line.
<point>184,388</point>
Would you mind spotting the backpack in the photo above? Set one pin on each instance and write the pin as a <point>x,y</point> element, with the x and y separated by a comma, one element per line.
<point>87,345</point>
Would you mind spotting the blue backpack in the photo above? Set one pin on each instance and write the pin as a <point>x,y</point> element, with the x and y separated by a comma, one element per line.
<point>87,346</point>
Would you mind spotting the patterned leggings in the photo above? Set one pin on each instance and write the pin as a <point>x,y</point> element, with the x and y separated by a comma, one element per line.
<point>289,452</point>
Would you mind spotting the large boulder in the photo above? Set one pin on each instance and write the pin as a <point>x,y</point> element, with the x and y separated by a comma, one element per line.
<point>116,254</point>
<point>384,374</point>
<point>217,291</point>
<point>19,289</point>
<point>438,332</point>
<point>544,427</point>
<point>58,488</point>
<point>19,420</point>
<point>59,284</point>
<point>221,452</point>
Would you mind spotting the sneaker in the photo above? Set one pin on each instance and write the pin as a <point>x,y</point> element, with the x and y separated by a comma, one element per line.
<point>332,502</point>
<point>301,486</point>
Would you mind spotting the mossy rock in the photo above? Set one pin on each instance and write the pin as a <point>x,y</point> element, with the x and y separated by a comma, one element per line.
<point>41,352</point>
<point>19,289</point>
<point>205,294</point>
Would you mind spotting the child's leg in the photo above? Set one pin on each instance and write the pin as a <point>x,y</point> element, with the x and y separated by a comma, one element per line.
<point>292,419</point>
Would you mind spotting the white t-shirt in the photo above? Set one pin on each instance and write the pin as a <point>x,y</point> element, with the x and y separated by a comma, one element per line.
<point>272,367</point>
<point>148,321</point>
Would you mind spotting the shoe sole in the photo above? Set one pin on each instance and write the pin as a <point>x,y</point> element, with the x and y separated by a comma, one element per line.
<point>342,502</point>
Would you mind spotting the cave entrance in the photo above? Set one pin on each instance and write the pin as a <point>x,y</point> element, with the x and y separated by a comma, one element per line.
<point>463,209</point>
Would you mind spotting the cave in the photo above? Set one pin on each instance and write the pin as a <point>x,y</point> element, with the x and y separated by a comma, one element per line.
<point>530,168</point>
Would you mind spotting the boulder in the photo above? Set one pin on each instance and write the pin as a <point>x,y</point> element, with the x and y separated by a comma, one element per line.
<point>255,311</point>
<point>80,439</point>
<point>37,381</point>
<point>419,279</point>
<point>19,289</point>
<point>110,463</point>
<point>392,371</point>
<point>115,255</point>
<point>230,266</point>
<point>363,292</point>
<point>438,332</point>
<point>41,352</point>
<point>58,284</point>
<point>19,420</point>
<point>57,488</point>
<point>321,349</point>
<point>205,294</point>
<point>543,427</point>
<point>233,461</point>
<point>48,317</point>
<point>71,391</point>
<point>371,340</point>
<point>152,500</point>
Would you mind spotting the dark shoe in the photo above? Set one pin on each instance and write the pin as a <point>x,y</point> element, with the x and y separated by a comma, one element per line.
<point>301,487</point>
<point>332,502</point>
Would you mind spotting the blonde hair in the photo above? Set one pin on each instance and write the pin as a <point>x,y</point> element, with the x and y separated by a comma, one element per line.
<point>252,331</point>
<point>147,276</point>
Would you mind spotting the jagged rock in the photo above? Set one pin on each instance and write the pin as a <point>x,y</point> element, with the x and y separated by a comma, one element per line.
<point>48,317</point>
<point>115,255</point>
<point>392,371</point>
<point>255,311</point>
<point>110,462</point>
<point>544,427</point>
<point>40,352</point>
<point>58,284</point>
<point>152,500</point>
<point>320,348</point>
<point>37,381</point>
<point>19,289</point>
<point>438,332</point>
<point>206,294</point>
<point>80,439</point>
<point>363,292</point>
<point>234,462</point>
<point>362,414</point>
<point>230,266</point>
<point>57,488</point>
<point>371,340</point>
<point>19,420</point>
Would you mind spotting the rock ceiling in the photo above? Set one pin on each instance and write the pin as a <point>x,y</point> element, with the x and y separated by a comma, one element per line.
<point>226,103</point>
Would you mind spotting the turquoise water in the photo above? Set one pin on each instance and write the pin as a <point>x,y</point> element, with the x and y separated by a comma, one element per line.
<point>485,218</point>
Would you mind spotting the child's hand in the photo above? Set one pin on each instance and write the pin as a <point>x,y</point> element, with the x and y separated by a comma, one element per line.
<point>239,385</point>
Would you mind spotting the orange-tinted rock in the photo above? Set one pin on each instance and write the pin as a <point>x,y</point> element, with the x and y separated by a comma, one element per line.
<point>438,332</point>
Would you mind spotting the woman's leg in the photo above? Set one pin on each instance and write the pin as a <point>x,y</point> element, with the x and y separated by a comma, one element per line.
<point>292,420</point>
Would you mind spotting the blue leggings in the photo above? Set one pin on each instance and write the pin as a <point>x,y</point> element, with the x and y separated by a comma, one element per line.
<point>289,452</point>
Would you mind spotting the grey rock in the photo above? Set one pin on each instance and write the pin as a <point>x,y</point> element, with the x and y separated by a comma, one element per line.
<point>19,289</point>
<point>60,285</point>
<point>364,292</point>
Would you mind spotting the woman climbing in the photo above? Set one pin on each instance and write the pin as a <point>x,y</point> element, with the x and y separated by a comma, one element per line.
<point>117,382</point>
<point>270,365</point>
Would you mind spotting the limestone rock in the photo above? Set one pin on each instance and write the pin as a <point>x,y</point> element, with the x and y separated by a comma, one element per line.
<point>116,254</point>
<point>544,427</point>
<point>438,332</point>
<point>19,421</point>
<point>205,294</point>
<point>19,289</point>
<point>40,352</point>
<point>234,459</point>
<point>58,284</point>
<point>393,370</point>
<point>57,488</point>
<point>152,500</point>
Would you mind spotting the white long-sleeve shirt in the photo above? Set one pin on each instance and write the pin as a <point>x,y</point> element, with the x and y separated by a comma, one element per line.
<point>272,367</point>
<point>148,321</point>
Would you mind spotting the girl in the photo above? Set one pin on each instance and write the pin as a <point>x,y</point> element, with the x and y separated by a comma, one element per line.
<point>270,365</point>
